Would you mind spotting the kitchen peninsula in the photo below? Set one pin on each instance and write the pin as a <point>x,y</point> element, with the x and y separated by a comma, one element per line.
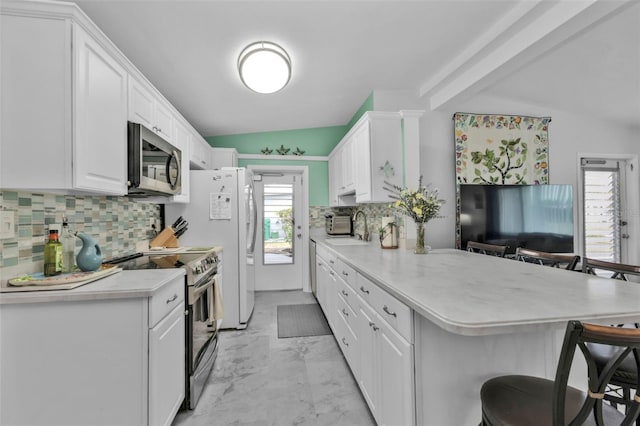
<point>469,317</point>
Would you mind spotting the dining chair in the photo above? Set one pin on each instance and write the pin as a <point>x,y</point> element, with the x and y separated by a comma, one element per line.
<point>619,270</point>
<point>567,261</point>
<point>622,382</point>
<point>527,400</point>
<point>484,248</point>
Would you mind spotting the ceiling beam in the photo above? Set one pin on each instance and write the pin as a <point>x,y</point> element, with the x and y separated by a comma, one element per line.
<point>560,21</point>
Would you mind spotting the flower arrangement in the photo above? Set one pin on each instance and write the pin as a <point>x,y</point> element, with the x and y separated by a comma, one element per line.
<point>422,204</point>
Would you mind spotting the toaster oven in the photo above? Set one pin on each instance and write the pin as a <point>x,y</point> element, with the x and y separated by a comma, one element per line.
<point>338,224</point>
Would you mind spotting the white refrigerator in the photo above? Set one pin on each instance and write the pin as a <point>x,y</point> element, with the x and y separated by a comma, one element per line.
<point>222,212</point>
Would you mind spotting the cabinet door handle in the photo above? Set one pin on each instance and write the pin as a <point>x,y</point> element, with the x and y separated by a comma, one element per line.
<point>346,274</point>
<point>386,309</point>
<point>373,325</point>
<point>345,313</point>
<point>331,273</point>
<point>364,290</point>
<point>345,293</point>
<point>331,262</point>
<point>175,296</point>
<point>344,342</point>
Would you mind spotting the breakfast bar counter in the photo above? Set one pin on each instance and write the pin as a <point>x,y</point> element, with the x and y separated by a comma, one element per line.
<point>473,294</point>
<point>477,316</point>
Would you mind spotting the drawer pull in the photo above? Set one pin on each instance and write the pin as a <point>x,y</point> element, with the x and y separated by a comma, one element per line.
<point>345,293</point>
<point>175,296</point>
<point>346,274</point>
<point>364,290</point>
<point>345,313</point>
<point>344,342</point>
<point>373,325</point>
<point>386,309</point>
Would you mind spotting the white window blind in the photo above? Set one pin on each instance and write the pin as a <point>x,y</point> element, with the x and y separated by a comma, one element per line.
<point>602,210</point>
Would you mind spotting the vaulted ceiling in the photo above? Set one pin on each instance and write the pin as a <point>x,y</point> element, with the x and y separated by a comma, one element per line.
<point>342,50</point>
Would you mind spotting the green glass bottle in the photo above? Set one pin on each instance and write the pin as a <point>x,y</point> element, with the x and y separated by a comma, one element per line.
<point>52,255</point>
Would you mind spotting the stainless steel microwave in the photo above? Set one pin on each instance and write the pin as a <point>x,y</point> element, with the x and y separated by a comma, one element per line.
<point>154,165</point>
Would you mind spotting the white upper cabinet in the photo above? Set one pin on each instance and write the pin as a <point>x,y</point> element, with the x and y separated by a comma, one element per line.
<point>224,157</point>
<point>368,155</point>
<point>100,102</point>
<point>67,93</point>
<point>379,142</point>
<point>200,154</point>
<point>149,110</point>
<point>64,108</point>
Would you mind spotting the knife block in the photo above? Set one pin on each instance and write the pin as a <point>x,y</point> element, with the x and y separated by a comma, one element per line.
<point>165,239</point>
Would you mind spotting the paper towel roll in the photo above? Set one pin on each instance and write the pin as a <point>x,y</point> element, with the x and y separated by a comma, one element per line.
<point>390,233</point>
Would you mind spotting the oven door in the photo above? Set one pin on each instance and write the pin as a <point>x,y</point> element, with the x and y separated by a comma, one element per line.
<point>201,336</point>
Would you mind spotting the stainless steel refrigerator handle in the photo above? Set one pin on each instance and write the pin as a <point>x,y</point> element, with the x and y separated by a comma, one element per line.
<point>255,216</point>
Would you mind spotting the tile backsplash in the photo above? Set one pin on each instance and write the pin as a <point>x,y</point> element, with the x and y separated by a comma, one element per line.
<point>374,213</point>
<point>116,223</point>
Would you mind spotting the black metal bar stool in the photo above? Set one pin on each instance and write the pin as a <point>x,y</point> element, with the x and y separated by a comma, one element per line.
<point>623,381</point>
<point>525,400</point>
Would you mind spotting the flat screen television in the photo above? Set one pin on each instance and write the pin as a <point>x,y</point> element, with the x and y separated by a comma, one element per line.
<point>538,217</point>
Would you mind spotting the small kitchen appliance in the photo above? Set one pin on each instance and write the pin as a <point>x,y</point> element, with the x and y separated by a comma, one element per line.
<point>154,165</point>
<point>201,333</point>
<point>338,224</point>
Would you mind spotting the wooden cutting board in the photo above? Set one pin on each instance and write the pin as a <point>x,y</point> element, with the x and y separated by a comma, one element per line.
<point>38,282</point>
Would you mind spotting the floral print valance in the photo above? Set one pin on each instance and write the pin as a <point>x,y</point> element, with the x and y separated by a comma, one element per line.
<point>501,149</point>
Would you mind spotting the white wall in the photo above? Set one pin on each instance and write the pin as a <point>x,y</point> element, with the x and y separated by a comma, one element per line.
<point>569,135</point>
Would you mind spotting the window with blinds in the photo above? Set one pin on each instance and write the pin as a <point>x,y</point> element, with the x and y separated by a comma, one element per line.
<point>601,180</point>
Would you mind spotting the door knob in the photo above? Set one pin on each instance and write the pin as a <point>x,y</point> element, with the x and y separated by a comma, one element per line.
<point>299,235</point>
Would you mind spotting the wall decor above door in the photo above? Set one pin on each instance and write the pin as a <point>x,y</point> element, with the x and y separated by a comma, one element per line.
<point>501,149</point>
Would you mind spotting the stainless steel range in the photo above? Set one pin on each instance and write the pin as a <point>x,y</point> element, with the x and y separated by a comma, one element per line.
<point>201,336</point>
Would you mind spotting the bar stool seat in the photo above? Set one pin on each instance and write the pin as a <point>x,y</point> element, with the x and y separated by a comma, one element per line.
<point>517,400</point>
<point>526,401</point>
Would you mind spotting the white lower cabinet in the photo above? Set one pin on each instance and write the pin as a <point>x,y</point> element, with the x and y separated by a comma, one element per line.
<point>166,382</point>
<point>380,352</point>
<point>386,369</point>
<point>94,362</point>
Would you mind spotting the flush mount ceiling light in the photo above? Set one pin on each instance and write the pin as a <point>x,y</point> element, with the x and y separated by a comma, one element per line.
<point>264,67</point>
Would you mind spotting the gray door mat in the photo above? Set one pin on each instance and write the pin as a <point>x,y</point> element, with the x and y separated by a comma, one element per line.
<point>301,321</point>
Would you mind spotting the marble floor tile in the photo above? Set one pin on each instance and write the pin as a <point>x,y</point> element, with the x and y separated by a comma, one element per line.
<point>261,380</point>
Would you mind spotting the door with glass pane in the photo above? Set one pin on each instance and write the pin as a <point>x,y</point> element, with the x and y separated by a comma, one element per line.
<point>605,211</point>
<point>278,254</point>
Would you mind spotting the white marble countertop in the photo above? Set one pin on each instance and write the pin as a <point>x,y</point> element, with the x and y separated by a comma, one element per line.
<point>474,294</point>
<point>125,284</point>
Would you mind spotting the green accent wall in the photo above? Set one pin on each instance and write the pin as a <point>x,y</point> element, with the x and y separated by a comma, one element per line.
<point>366,106</point>
<point>318,176</point>
<point>318,141</point>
